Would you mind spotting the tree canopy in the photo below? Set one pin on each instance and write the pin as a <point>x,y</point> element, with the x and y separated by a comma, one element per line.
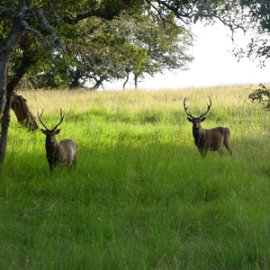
<point>101,51</point>
<point>256,21</point>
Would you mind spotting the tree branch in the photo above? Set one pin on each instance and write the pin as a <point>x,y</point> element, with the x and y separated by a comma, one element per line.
<point>91,13</point>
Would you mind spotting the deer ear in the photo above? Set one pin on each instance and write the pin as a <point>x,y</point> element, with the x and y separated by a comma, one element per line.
<point>189,119</point>
<point>57,131</point>
<point>202,119</point>
<point>43,131</point>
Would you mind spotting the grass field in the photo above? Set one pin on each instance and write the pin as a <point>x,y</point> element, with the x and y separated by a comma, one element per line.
<point>140,197</point>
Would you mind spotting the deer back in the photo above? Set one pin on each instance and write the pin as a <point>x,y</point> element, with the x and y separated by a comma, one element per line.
<point>216,138</point>
<point>67,152</point>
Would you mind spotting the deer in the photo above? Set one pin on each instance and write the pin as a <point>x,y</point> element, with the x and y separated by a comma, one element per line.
<point>58,153</point>
<point>208,139</point>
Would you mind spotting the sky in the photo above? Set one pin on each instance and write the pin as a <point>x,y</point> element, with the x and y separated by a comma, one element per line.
<point>213,64</point>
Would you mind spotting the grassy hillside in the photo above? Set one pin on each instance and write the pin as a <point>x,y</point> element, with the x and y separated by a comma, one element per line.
<point>140,197</point>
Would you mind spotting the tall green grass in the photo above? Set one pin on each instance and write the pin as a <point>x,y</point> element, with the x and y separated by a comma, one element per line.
<point>140,197</point>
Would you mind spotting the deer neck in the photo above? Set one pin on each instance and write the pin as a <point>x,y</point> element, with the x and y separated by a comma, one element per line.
<point>198,134</point>
<point>51,144</point>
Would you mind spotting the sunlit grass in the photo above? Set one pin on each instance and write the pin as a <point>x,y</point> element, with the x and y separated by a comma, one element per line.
<point>140,197</point>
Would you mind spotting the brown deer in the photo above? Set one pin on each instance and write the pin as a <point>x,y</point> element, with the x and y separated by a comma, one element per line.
<point>208,139</point>
<point>64,152</point>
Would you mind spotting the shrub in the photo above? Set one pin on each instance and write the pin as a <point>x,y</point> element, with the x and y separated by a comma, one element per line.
<point>262,95</point>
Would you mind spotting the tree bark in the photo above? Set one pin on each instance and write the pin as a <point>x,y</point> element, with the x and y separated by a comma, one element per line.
<point>4,57</point>
<point>76,80</point>
<point>136,77</point>
<point>8,47</point>
<point>126,81</point>
<point>4,128</point>
<point>18,103</point>
<point>97,84</point>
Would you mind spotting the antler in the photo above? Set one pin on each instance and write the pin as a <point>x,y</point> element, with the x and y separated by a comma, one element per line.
<point>208,108</point>
<point>40,120</point>
<point>62,116</point>
<point>42,123</point>
<point>203,114</point>
<point>186,108</point>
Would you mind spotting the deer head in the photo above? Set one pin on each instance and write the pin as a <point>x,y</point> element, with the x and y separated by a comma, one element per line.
<point>196,120</point>
<point>51,132</point>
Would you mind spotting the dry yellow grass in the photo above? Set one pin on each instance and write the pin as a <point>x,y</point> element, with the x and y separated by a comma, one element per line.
<point>83,100</point>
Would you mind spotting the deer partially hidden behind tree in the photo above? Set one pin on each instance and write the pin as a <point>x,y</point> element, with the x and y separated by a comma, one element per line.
<point>63,152</point>
<point>208,139</point>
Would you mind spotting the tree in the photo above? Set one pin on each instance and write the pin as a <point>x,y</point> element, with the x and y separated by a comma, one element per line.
<point>41,20</point>
<point>154,45</point>
<point>104,51</point>
<point>261,95</point>
<point>256,19</point>
<point>38,22</point>
<point>8,46</point>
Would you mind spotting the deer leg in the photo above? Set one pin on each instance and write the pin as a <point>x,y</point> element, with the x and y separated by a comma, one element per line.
<point>202,150</point>
<point>226,144</point>
<point>229,149</point>
<point>203,153</point>
<point>51,167</point>
<point>74,162</point>
<point>220,151</point>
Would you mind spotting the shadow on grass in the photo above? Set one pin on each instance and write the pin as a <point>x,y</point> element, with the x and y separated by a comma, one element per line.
<point>122,198</point>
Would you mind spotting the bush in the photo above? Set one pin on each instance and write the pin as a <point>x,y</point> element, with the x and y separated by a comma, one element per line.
<point>262,95</point>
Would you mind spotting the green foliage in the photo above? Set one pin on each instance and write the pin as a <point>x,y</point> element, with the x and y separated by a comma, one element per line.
<point>262,95</point>
<point>256,18</point>
<point>152,45</point>
<point>58,23</point>
<point>104,51</point>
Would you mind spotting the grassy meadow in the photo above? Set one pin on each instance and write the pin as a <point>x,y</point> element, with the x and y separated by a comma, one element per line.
<point>140,197</point>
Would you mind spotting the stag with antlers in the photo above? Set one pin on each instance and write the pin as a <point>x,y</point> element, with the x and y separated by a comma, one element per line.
<point>64,152</point>
<point>208,139</point>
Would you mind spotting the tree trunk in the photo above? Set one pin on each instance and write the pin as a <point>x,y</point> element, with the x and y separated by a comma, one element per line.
<point>136,77</point>
<point>18,103</point>
<point>4,128</point>
<point>76,80</point>
<point>126,81</point>
<point>8,47</point>
<point>97,84</point>
<point>4,57</point>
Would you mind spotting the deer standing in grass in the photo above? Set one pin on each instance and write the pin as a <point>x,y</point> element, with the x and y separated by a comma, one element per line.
<point>208,139</point>
<point>63,152</point>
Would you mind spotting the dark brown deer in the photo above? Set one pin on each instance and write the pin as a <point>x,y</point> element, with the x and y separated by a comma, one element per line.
<point>208,139</point>
<point>64,152</point>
